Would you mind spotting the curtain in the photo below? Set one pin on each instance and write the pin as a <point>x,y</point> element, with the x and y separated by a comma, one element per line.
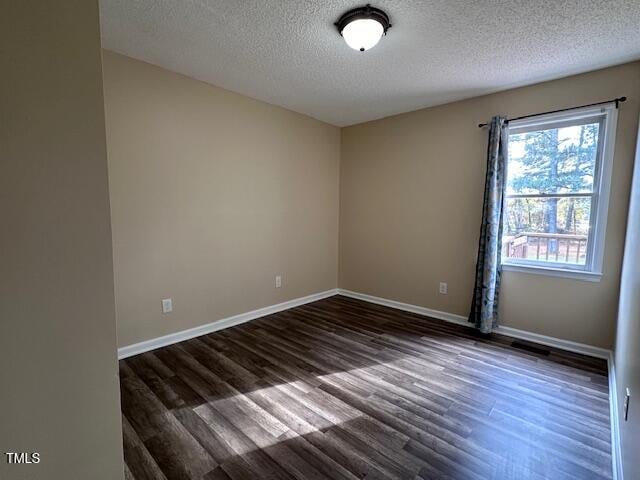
<point>484,305</point>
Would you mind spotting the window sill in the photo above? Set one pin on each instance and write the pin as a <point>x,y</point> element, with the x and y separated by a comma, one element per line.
<point>552,272</point>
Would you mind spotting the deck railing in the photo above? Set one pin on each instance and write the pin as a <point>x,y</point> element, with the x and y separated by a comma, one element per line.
<point>558,247</point>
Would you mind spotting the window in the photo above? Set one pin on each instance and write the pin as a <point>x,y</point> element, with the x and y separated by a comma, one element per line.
<point>557,190</point>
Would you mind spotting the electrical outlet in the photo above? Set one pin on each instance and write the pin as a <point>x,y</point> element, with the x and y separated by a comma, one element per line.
<point>627,401</point>
<point>278,281</point>
<point>167,305</point>
<point>443,288</point>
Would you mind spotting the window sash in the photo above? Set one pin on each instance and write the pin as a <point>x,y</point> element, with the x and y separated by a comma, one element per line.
<point>525,262</point>
<point>577,121</point>
<point>595,237</point>
<point>551,195</point>
<point>562,119</point>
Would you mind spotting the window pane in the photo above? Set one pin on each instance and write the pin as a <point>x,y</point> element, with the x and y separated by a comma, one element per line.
<point>556,160</point>
<point>547,229</point>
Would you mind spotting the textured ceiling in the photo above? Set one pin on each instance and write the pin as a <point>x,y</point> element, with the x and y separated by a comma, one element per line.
<point>288,52</point>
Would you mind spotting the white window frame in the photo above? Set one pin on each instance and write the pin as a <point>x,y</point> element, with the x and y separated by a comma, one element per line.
<point>593,268</point>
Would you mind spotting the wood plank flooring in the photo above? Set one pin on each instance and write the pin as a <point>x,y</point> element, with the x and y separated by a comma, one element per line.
<point>343,389</point>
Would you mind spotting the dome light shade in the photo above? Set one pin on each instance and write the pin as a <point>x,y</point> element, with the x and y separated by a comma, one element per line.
<point>363,27</point>
<point>362,34</point>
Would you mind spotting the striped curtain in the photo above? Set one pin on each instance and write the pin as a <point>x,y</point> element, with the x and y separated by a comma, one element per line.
<point>484,306</point>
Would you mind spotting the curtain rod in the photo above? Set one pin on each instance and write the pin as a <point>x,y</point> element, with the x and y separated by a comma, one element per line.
<point>613,100</point>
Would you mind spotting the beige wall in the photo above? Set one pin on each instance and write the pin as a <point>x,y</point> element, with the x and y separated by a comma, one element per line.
<point>411,201</point>
<point>627,347</point>
<point>58,381</point>
<point>212,195</point>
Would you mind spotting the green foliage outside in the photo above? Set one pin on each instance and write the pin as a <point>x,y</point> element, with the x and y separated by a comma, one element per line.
<point>553,161</point>
<point>559,160</point>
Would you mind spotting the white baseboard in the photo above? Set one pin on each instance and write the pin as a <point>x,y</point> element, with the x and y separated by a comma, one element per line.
<point>407,307</point>
<point>560,343</point>
<point>154,343</point>
<point>616,452</point>
<point>460,320</point>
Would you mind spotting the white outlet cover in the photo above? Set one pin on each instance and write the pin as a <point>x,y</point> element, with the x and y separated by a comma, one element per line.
<point>167,305</point>
<point>443,288</point>
<point>278,281</point>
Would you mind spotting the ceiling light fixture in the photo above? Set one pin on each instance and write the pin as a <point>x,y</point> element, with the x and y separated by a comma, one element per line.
<point>363,27</point>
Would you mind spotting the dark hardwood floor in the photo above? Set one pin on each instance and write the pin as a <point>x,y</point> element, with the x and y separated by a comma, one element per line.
<point>343,389</point>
